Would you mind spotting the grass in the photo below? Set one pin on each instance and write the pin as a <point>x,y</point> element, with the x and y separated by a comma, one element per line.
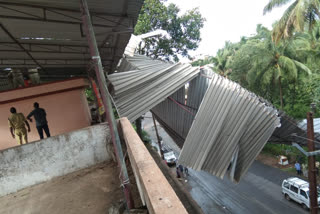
<point>291,152</point>
<point>290,170</point>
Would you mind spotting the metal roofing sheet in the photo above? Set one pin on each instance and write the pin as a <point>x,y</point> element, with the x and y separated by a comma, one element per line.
<point>51,29</point>
<point>316,125</point>
<point>177,112</point>
<point>290,130</point>
<point>151,82</point>
<point>229,130</point>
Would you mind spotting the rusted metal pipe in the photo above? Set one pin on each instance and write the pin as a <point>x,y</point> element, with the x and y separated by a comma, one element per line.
<point>87,24</point>
<point>158,137</point>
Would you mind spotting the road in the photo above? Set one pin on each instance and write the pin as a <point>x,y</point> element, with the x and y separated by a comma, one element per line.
<point>259,191</point>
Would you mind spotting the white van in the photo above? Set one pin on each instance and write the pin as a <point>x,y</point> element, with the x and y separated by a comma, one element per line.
<point>170,158</point>
<point>298,190</point>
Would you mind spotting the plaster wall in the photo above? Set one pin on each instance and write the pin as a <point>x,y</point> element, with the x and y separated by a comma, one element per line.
<point>40,161</point>
<point>65,104</point>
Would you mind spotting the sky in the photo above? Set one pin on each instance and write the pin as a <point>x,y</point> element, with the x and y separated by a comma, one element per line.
<point>228,20</point>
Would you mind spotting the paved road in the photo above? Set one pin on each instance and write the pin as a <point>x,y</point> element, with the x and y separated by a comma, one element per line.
<point>258,192</point>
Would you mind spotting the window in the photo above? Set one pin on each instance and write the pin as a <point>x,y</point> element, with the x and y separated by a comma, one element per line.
<point>304,194</point>
<point>286,185</point>
<point>294,189</point>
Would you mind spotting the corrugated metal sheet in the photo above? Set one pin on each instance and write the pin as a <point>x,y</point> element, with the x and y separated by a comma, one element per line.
<point>152,81</point>
<point>294,131</point>
<point>302,138</point>
<point>229,130</point>
<point>290,130</point>
<point>316,125</point>
<point>176,115</point>
<point>52,32</point>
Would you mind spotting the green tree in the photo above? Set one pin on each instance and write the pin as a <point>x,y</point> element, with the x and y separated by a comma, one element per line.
<point>183,30</point>
<point>202,62</point>
<point>301,14</point>
<point>267,64</point>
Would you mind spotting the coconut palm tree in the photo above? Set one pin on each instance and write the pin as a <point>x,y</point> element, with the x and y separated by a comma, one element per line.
<point>220,62</point>
<point>268,63</point>
<point>308,45</point>
<point>299,16</point>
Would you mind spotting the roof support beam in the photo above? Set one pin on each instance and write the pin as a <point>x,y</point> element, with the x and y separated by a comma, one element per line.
<point>45,44</point>
<point>21,46</point>
<point>44,51</point>
<point>96,60</point>
<point>61,9</point>
<point>43,19</point>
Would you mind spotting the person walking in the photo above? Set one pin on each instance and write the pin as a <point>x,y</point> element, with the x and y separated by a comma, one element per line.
<point>17,123</point>
<point>181,168</point>
<point>178,172</point>
<point>186,171</point>
<point>298,168</point>
<point>40,117</point>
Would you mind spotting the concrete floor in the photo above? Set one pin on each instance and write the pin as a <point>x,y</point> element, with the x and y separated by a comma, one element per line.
<point>92,190</point>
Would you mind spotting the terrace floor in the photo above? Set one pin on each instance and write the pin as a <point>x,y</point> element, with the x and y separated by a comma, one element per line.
<point>92,190</point>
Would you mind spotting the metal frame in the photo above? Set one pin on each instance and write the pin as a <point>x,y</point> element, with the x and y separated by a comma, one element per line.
<point>308,154</point>
<point>107,24</point>
<point>96,60</point>
<point>68,19</point>
<point>92,14</point>
<point>21,46</point>
<point>59,11</point>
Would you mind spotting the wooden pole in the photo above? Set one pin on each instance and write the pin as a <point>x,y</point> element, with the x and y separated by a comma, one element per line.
<point>312,167</point>
<point>158,137</point>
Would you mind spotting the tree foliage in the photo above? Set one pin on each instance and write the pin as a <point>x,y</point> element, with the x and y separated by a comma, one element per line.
<point>183,30</point>
<point>286,72</point>
<point>299,16</point>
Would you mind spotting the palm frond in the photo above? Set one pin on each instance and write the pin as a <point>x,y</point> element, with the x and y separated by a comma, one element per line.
<point>267,77</point>
<point>302,67</point>
<point>274,3</point>
<point>283,28</point>
<point>298,15</point>
<point>289,67</point>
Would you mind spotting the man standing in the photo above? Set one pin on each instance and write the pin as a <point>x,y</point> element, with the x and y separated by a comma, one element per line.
<point>298,168</point>
<point>17,123</point>
<point>41,120</point>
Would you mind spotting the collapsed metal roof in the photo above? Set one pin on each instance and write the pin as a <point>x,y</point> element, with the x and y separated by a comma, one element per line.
<point>230,129</point>
<point>175,116</point>
<point>142,83</point>
<point>177,112</point>
<point>316,125</point>
<point>49,33</point>
<point>302,137</point>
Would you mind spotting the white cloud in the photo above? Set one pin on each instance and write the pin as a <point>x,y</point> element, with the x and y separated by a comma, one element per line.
<point>228,20</point>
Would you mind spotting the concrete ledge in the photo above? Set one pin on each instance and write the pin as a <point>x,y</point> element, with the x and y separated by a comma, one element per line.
<point>154,189</point>
<point>30,164</point>
<point>42,90</point>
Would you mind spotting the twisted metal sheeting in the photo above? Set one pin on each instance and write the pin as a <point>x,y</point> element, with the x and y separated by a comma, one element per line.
<point>176,120</point>
<point>149,83</point>
<point>229,130</point>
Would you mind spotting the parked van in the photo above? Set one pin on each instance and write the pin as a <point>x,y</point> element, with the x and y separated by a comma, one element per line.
<point>170,158</point>
<point>297,190</point>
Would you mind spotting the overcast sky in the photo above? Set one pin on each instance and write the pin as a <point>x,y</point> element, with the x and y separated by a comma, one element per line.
<point>228,20</point>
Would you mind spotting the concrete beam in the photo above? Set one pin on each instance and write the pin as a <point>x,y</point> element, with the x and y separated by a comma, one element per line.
<point>19,94</point>
<point>154,188</point>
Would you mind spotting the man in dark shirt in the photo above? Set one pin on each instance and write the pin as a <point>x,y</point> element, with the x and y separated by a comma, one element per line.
<point>41,120</point>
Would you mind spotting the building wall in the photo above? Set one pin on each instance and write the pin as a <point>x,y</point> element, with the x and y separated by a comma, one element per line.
<point>43,160</point>
<point>65,103</point>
